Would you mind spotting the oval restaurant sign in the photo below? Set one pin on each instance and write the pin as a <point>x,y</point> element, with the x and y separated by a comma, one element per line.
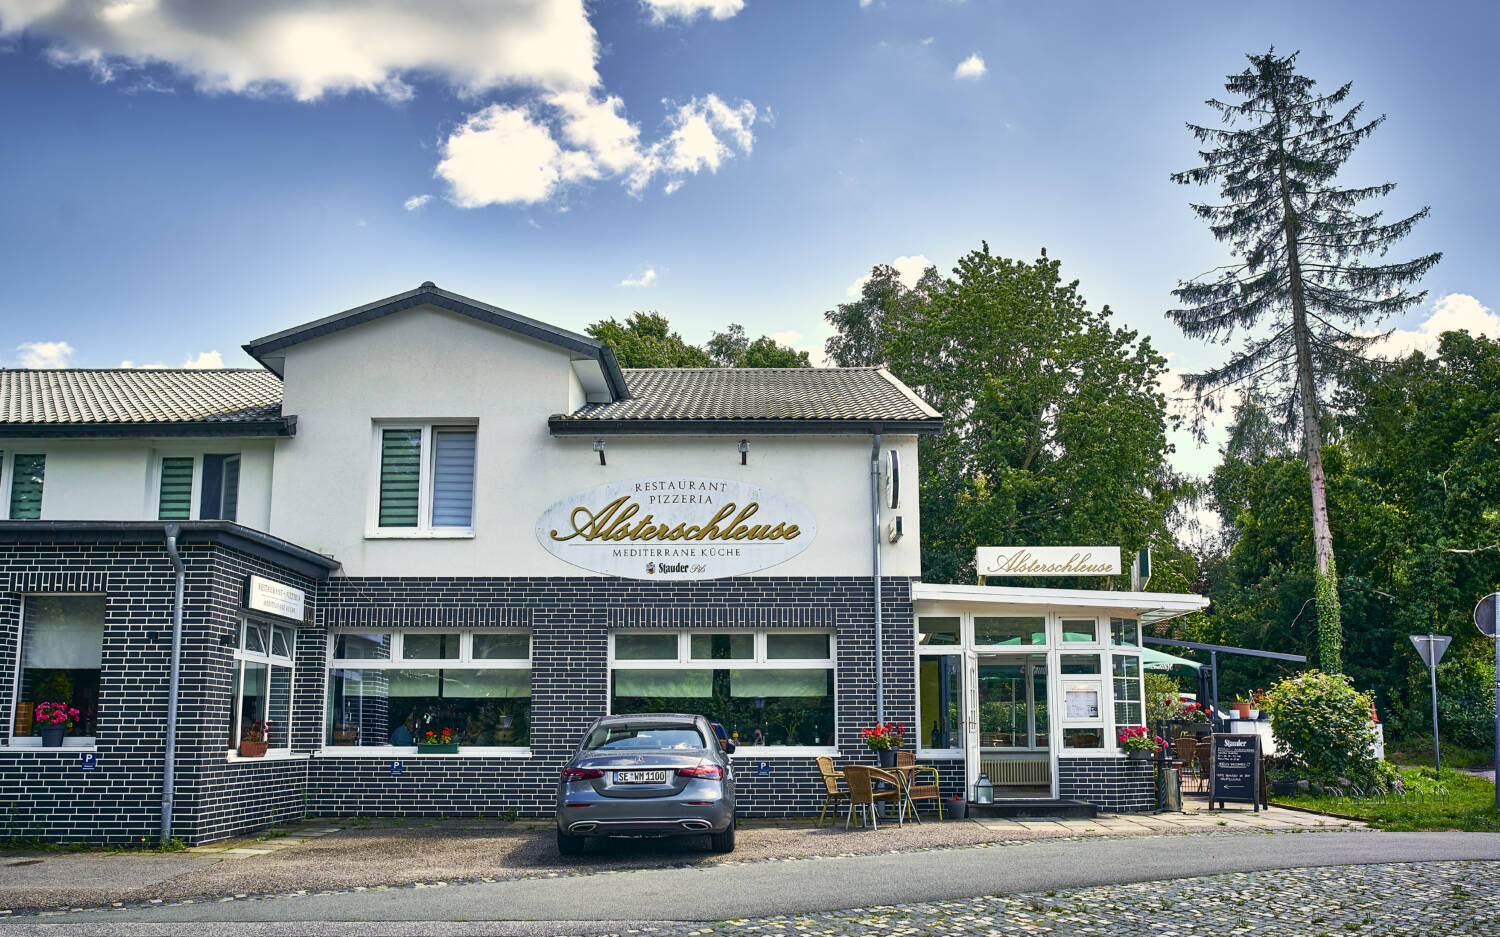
<point>676,527</point>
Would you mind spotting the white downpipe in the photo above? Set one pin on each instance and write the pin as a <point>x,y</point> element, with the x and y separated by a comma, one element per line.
<point>169,760</point>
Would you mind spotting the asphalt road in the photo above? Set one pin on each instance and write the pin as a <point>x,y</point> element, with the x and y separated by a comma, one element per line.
<point>610,902</point>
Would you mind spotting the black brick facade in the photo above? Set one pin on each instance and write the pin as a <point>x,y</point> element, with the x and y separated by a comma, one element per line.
<point>1119,785</point>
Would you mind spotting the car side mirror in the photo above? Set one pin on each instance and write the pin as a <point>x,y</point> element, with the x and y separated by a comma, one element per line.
<point>729,746</point>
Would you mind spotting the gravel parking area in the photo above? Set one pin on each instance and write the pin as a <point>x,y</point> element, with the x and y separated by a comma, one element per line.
<point>359,853</point>
<point>1431,899</point>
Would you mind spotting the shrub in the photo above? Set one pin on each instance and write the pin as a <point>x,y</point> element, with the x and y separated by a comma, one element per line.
<point>1324,725</point>
<point>1162,699</point>
<point>1466,701</point>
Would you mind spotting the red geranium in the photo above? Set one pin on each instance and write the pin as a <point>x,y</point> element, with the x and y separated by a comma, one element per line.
<point>884,735</point>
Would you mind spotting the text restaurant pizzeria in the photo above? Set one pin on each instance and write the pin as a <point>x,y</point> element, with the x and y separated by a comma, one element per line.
<point>429,513</point>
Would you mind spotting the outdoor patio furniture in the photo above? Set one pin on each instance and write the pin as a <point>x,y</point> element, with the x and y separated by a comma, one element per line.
<point>833,792</point>
<point>1187,753</point>
<point>864,796</point>
<point>906,762</point>
<point>1204,760</point>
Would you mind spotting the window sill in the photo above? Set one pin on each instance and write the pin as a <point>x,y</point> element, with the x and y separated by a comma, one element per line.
<point>15,748</point>
<point>401,533</point>
<point>234,757</point>
<point>1089,753</point>
<point>757,752</point>
<point>410,751</point>
<point>941,754</point>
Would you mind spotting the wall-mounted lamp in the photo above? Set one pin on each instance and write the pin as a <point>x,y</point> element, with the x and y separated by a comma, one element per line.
<point>744,451</point>
<point>229,639</point>
<point>599,448</point>
<point>893,533</point>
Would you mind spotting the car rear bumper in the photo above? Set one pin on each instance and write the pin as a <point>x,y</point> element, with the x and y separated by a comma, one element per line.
<point>609,816</point>
<point>663,827</point>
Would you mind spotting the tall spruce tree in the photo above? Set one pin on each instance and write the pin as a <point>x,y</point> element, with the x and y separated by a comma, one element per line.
<point>1301,289</point>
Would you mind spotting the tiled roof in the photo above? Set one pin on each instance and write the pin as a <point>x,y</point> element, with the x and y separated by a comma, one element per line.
<point>814,395</point>
<point>68,396</point>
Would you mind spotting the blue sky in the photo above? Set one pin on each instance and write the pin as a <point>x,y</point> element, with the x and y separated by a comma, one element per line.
<point>182,177</point>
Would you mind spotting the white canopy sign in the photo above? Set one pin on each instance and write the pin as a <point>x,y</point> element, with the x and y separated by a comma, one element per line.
<point>675,527</point>
<point>1047,561</point>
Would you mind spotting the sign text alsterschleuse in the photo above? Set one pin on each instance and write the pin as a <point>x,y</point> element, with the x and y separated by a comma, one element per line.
<point>675,527</point>
<point>1047,561</point>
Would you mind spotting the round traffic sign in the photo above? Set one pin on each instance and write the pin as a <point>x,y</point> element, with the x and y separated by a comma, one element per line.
<point>1484,613</point>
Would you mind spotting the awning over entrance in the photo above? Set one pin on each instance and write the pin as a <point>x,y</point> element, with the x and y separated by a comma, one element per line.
<point>1149,607</point>
<point>1152,659</point>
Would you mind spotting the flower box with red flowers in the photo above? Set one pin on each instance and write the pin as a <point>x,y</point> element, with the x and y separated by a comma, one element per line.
<point>437,742</point>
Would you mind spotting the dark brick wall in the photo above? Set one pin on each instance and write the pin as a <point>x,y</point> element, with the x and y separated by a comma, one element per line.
<point>570,619</point>
<point>1119,785</point>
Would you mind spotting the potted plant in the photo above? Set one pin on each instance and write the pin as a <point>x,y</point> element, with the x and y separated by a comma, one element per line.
<point>54,720</point>
<point>437,742</point>
<point>1242,707</point>
<point>253,740</point>
<point>884,739</point>
<point>956,806</point>
<point>1139,744</point>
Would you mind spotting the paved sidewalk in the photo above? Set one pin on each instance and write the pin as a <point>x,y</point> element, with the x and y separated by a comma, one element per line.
<point>324,855</point>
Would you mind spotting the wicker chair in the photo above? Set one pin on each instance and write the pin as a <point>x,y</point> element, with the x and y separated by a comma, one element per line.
<point>833,792</point>
<point>1187,752</point>
<point>1205,761</point>
<point>862,793</point>
<point>926,790</point>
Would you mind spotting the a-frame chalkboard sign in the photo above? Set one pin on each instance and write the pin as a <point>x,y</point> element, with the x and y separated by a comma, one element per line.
<point>1235,770</point>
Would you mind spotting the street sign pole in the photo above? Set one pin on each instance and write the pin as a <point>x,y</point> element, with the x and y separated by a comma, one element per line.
<point>1431,647</point>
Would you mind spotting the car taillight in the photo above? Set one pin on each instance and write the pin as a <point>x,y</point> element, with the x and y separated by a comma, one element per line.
<point>711,772</point>
<point>581,774</point>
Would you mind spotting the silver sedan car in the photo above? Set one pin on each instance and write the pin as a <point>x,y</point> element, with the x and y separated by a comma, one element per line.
<point>647,775</point>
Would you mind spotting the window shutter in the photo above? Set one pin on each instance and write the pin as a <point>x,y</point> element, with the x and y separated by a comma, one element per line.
<point>230,503</point>
<point>453,478</point>
<point>400,476</point>
<point>26,487</point>
<point>176,501</point>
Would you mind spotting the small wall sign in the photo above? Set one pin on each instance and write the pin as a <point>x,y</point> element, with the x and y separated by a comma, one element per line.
<point>1047,561</point>
<point>398,768</point>
<point>274,598</point>
<point>762,769</point>
<point>88,761</point>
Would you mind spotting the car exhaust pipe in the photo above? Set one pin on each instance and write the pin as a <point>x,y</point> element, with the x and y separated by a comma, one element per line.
<point>583,826</point>
<point>696,825</point>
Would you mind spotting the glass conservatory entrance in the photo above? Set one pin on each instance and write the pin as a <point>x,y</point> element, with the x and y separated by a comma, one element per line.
<point>1014,724</point>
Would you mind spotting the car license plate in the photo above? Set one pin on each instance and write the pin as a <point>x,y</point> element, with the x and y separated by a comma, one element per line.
<point>640,777</point>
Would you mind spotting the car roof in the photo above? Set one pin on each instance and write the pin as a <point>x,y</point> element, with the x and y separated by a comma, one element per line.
<point>648,717</point>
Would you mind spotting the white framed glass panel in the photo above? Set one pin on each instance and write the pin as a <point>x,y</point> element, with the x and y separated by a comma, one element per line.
<point>1002,630</point>
<point>502,646</point>
<point>175,496</point>
<point>62,645</point>
<point>400,477</point>
<point>374,646</point>
<point>429,645</point>
<point>1126,672</point>
<point>795,645</point>
<point>453,477</point>
<point>939,631</point>
<point>1125,632</point>
<point>27,474</point>
<point>1078,664</point>
<point>1080,630</point>
<point>940,701</point>
<point>722,646</point>
<point>1092,737</point>
<point>645,646</point>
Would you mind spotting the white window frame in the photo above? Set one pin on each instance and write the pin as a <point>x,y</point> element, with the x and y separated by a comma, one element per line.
<point>398,661</point>
<point>243,656</point>
<point>424,529</point>
<point>84,742</point>
<point>8,472</point>
<point>759,661</point>
<point>157,459</point>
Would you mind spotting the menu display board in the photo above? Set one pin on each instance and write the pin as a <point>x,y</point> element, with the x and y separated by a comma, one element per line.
<point>1082,702</point>
<point>1236,769</point>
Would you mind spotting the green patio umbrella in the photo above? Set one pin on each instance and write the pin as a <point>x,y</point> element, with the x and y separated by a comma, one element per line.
<point>1152,659</point>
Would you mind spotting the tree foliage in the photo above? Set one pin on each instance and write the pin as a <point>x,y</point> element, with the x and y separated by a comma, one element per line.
<point>646,340</point>
<point>1055,427</point>
<point>1301,241</point>
<point>1324,724</point>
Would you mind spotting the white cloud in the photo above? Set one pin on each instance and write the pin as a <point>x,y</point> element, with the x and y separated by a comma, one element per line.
<point>971,67</point>
<point>203,361</point>
<point>206,361</point>
<point>567,127</point>
<point>672,186</point>
<point>927,42</point>
<point>307,50</point>
<point>416,202</point>
<point>645,279</point>
<point>909,268</point>
<point>45,354</point>
<point>512,155</point>
<point>865,3</point>
<point>1450,313</point>
<point>663,10</point>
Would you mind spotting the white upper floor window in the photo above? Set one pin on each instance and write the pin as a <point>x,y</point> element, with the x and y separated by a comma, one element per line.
<point>21,476</point>
<point>198,487</point>
<point>424,479</point>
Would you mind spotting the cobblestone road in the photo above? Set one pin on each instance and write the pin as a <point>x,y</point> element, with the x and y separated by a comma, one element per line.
<point>1432,899</point>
